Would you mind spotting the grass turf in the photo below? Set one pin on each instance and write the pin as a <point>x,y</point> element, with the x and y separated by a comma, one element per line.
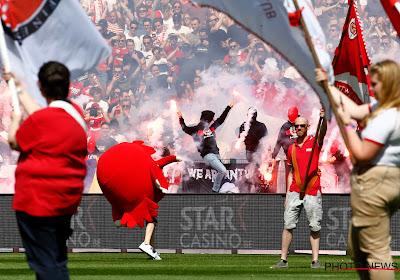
<point>183,266</point>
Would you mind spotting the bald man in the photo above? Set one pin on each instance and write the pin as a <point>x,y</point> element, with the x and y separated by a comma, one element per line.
<point>298,157</point>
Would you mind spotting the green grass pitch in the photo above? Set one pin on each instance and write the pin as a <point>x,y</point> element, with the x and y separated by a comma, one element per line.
<point>98,266</point>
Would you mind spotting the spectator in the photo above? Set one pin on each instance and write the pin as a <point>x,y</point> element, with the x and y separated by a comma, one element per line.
<point>236,33</point>
<point>186,20</point>
<point>166,10</point>
<point>187,64</point>
<point>114,132</point>
<point>133,59</point>
<point>151,6</point>
<point>215,37</point>
<point>95,11</point>
<point>178,28</point>
<point>177,7</point>
<point>105,141</point>
<point>194,36</point>
<point>234,48</point>
<point>104,31</point>
<point>147,49</point>
<point>159,81</point>
<point>160,60</point>
<point>115,23</point>
<point>94,117</point>
<point>148,30</point>
<point>94,81</point>
<point>160,33</point>
<point>133,27</point>
<point>95,92</point>
<point>141,14</point>
<point>75,88</point>
<point>118,51</point>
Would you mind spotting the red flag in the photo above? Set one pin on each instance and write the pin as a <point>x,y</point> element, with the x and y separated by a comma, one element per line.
<point>392,8</point>
<point>351,61</point>
<point>38,31</point>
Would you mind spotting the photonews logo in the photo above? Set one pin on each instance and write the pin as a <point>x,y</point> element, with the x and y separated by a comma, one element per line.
<point>342,266</point>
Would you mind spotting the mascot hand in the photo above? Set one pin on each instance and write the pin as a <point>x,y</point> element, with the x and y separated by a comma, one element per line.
<point>144,211</point>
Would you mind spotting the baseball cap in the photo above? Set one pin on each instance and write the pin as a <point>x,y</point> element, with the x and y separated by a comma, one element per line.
<point>95,105</point>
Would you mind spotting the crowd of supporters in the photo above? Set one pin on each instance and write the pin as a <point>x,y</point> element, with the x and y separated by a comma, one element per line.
<point>161,47</point>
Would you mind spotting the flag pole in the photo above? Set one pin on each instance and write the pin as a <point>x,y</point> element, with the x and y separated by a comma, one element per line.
<point>6,63</point>
<point>325,85</point>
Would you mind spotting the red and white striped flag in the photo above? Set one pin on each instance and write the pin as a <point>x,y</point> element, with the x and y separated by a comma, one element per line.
<point>392,8</point>
<point>351,61</point>
<point>269,20</point>
<point>38,31</point>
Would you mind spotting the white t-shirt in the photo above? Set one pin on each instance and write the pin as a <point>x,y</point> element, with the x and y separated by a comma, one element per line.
<point>102,104</point>
<point>136,40</point>
<point>384,130</point>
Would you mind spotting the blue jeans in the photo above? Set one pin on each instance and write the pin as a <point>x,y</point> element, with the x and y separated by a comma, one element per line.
<point>44,240</point>
<point>214,160</point>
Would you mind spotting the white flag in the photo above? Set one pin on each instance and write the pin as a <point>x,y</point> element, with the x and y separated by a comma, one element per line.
<point>38,31</point>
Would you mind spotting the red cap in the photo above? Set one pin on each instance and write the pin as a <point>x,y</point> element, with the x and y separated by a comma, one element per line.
<point>95,105</point>
<point>292,114</point>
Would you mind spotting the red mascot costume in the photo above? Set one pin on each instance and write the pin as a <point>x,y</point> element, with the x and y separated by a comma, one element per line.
<point>132,182</point>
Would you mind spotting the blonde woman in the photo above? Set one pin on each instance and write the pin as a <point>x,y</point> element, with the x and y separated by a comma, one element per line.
<point>375,180</point>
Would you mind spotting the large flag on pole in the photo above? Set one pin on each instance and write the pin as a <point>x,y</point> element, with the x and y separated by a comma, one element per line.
<point>392,9</point>
<point>269,20</point>
<point>38,31</point>
<point>351,61</point>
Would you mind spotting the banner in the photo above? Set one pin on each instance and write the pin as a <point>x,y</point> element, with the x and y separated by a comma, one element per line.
<point>351,61</point>
<point>269,20</point>
<point>39,31</point>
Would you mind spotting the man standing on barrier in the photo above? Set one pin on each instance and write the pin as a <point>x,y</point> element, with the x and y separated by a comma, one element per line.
<point>297,197</point>
<point>204,137</point>
<point>286,137</point>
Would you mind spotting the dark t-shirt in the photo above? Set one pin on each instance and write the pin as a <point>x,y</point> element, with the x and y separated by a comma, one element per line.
<point>104,145</point>
<point>215,48</point>
<point>129,60</point>
<point>238,34</point>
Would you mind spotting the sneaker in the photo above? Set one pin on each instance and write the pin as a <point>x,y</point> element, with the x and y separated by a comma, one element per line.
<point>316,264</point>
<point>157,256</point>
<point>148,249</point>
<point>280,264</point>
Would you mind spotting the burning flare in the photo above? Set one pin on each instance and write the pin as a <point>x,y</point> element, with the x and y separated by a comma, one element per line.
<point>173,105</point>
<point>237,145</point>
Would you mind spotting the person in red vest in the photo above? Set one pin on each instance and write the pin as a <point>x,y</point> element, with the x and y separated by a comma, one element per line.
<point>50,172</point>
<point>298,157</point>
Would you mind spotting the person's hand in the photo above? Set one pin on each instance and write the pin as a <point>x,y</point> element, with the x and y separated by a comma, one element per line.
<point>344,114</point>
<point>179,113</point>
<point>285,201</point>
<point>321,113</point>
<point>8,75</point>
<point>320,75</point>
<point>232,103</point>
<point>273,162</point>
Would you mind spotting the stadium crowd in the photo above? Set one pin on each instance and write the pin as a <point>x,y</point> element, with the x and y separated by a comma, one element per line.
<point>161,47</point>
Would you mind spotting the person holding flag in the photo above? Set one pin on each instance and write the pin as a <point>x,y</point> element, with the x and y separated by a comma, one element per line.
<point>298,157</point>
<point>375,180</point>
<point>50,172</point>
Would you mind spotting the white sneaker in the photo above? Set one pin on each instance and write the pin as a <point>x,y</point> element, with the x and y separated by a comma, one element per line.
<point>157,256</point>
<point>148,249</point>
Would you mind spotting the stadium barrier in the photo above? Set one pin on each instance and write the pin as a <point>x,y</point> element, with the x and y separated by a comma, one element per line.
<point>199,223</point>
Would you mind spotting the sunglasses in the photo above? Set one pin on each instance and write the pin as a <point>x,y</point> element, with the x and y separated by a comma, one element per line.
<point>215,19</point>
<point>233,46</point>
<point>117,72</point>
<point>126,106</point>
<point>121,40</point>
<point>177,7</point>
<point>300,125</point>
<point>146,43</point>
<point>134,27</point>
<point>332,30</point>
<point>142,11</point>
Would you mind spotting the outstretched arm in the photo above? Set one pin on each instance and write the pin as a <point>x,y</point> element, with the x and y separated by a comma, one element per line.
<point>223,116</point>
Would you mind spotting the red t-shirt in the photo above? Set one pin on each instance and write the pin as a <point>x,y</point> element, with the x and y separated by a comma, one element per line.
<point>118,55</point>
<point>302,157</point>
<point>75,88</point>
<point>51,167</point>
